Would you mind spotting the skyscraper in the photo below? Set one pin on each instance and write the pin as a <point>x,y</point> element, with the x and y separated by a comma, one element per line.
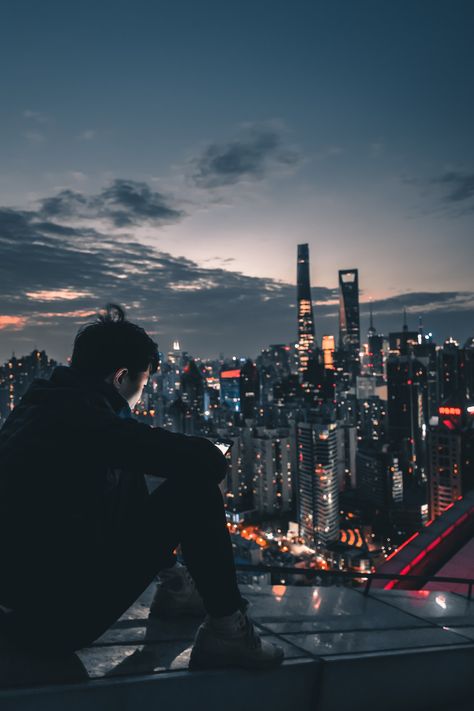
<point>249,389</point>
<point>272,479</point>
<point>329,346</point>
<point>407,411</point>
<point>306,336</point>
<point>451,454</point>
<point>318,486</point>
<point>349,321</point>
<point>375,360</point>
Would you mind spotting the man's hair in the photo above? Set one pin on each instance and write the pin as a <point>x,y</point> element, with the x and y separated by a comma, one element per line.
<point>112,342</point>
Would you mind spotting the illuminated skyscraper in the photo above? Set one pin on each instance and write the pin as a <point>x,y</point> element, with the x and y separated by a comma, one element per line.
<point>272,477</point>
<point>318,486</point>
<point>249,388</point>
<point>230,388</point>
<point>349,321</point>
<point>451,454</point>
<point>375,359</point>
<point>329,346</point>
<point>306,337</point>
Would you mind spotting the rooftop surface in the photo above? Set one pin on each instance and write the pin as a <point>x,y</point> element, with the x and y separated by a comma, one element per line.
<point>344,650</point>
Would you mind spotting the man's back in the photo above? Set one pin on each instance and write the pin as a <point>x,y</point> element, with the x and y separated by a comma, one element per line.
<point>69,459</point>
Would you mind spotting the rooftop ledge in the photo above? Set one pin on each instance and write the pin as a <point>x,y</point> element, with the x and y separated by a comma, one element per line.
<point>344,650</point>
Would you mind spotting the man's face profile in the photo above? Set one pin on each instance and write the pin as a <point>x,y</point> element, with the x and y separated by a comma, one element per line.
<point>130,389</point>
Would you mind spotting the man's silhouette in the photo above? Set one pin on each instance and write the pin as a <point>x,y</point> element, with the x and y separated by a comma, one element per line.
<point>81,537</point>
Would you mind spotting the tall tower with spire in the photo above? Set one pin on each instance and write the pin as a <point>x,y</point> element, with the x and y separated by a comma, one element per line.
<point>375,343</point>
<point>306,335</point>
<point>372,331</point>
<point>349,321</point>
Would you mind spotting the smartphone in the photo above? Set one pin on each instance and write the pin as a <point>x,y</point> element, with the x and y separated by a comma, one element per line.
<point>223,444</point>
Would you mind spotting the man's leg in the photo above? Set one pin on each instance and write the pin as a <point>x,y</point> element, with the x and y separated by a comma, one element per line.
<point>205,543</point>
<point>86,594</point>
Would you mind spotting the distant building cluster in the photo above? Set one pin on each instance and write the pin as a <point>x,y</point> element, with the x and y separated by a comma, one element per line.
<point>351,443</point>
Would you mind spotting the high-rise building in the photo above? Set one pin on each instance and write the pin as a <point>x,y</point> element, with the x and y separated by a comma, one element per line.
<point>451,371</point>
<point>402,342</point>
<point>306,335</point>
<point>16,376</point>
<point>375,351</point>
<point>379,478</point>
<point>426,353</point>
<point>372,419</point>
<point>249,389</point>
<point>469,367</point>
<point>272,481</point>
<point>328,347</point>
<point>192,384</point>
<point>349,319</point>
<point>407,411</point>
<point>318,485</point>
<point>273,366</point>
<point>451,454</point>
<point>233,486</point>
<point>230,388</point>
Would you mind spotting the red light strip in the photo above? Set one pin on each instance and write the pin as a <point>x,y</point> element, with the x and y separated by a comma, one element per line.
<point>402,546</point>
<point>430,547</point>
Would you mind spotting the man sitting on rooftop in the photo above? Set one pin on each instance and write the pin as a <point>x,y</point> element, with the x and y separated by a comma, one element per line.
<point>81,535</point>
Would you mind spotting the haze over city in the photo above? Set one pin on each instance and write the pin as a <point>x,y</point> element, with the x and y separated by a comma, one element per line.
<point>175,172</point>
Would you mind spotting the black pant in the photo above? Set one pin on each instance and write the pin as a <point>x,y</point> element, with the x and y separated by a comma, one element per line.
<point>82,598</point>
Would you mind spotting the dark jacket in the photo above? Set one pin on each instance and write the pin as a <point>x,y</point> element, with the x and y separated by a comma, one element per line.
<point>72,462</point>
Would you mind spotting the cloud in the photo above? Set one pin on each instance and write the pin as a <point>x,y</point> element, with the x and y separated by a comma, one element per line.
<point>124,203</point>
<point>56,295</point>
<point>460,188</point>
<point>256,152</point>
<point>13,322</point>
<point>87,135</point>
<point>422,302</point>
<point>453,191</point>
<point>54,275</point>
<point>209,308</point>
<point>35,137</point>
<point>36,116</point>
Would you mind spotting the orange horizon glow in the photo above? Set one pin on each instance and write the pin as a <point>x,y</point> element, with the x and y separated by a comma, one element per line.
<point>56,295</point>
<point>14,322</point>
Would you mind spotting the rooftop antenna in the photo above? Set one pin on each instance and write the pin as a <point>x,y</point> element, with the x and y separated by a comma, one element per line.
<point>420,329</point>
<point>372,330</point>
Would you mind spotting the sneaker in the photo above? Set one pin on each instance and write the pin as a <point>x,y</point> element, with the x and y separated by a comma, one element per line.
<point>232,641</point>
<point>176,594</point>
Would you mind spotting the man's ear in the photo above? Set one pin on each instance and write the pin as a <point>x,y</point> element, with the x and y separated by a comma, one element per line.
<point>121,374</point>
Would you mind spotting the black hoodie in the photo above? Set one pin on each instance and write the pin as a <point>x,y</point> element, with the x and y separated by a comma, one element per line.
<point>70,454</point>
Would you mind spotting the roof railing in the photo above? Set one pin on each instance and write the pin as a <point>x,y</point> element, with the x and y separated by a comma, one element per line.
<point>340,575</point>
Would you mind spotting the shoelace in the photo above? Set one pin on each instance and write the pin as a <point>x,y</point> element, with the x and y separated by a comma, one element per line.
<point>171,574</point>
<point>250,632</point>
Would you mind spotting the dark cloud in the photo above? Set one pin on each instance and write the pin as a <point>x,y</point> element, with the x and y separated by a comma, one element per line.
<point>251,156</point>
<point>422,302</point>
<point>54,277</point>
<point>66,203</point>
<point>460,187</point>
<point>125,203</point>
<point>453,192</point>
<point>71,272</point>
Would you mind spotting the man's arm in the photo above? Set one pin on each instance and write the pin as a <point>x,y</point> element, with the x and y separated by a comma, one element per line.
<point>133,445</point>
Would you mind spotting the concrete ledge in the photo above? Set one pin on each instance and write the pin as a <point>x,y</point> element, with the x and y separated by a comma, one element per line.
<point>423,680</point>
<point>294,684</point>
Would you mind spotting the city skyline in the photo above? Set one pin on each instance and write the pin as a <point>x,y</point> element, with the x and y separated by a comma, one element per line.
<point>177,171</point>
<point>391,312</point>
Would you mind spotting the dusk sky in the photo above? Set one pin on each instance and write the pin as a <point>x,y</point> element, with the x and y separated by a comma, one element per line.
<point>170,155</point>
